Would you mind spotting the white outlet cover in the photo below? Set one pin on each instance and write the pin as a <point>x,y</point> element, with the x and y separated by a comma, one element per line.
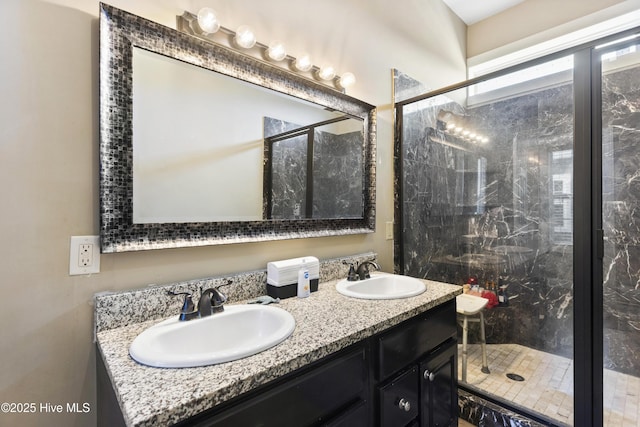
<point>74,255</point>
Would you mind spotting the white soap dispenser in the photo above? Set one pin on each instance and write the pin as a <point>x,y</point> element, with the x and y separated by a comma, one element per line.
<point>304,288</point>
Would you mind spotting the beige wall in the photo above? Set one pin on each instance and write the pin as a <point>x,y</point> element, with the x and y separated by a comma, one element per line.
<point>49,166</point>
<point>540,20</point>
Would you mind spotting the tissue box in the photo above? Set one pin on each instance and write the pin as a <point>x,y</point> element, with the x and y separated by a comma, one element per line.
<point>282,276</point>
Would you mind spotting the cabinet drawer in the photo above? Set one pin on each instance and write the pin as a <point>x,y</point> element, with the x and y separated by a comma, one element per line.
<point>399,400</point>
<point>410,341</point>
<point>305,400</point>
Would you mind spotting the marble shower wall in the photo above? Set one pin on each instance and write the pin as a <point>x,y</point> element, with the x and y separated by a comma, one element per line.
<point>486,210</point>
<point>337,174</point>
<point>517,237</point>
<point>621,219</point>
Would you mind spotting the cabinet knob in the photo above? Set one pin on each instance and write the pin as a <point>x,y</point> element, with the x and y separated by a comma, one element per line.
<point>429,375</point>
<point>404,405</point>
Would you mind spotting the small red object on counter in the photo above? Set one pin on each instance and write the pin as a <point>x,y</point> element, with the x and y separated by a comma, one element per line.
<point>493,299</point>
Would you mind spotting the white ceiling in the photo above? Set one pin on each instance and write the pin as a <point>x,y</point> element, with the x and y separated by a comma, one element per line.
<point>472,11</point>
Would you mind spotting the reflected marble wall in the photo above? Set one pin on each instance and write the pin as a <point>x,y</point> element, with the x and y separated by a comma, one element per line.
<point>337,174</point>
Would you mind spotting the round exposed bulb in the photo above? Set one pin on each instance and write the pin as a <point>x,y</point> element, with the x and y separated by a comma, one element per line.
<point>208,20</point>
<point>276,51</point>
<point>347,79</point>
<point>245,37</point>
<point>303,63</point>
<point>326,72</point>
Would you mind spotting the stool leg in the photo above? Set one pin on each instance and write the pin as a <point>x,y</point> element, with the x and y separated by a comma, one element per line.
<point>485,365</point>
<point>465,329</point>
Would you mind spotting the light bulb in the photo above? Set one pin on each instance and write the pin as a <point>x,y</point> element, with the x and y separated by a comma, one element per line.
<point>326,72</point>
<point>245,37</point>
<point>347,79</point>
<point>208,20</point>
<point>276,51</point>
<point>303,63</point>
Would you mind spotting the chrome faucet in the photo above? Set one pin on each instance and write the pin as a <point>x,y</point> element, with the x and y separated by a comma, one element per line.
<point>211,301</point>
<point>363,269</point>
<point>362,272</point>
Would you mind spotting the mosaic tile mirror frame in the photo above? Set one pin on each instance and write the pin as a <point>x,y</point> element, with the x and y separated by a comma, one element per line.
<point>120,33</point>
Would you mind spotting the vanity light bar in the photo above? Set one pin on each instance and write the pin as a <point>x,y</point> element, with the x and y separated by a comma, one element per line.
<point>457,126</point>
<point>207,26</point>
<point>465,134</point>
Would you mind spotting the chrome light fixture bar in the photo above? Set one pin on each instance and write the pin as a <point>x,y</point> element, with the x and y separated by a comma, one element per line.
<point>206,25</point>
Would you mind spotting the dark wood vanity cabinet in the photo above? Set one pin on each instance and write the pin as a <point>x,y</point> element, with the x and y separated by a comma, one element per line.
<point>405,376</point>
<point>417,369</point>
<point>438,387</point>
<point>333,393</point>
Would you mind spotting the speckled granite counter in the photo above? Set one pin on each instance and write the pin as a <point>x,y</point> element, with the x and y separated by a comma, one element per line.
<point>325,323</point>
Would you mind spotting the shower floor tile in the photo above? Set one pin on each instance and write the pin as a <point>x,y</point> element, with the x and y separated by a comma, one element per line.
<point>548,383</point>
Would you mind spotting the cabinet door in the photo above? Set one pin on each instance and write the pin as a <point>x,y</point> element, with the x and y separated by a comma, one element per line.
<point>399,400</point>
<point>439,387</point>
<point>305,400</point>
<point>405,344</point>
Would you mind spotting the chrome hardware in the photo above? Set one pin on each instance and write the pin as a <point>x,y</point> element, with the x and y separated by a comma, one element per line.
<point>404,405</point>
<point>429,375</point>
<point>363,270</point>
<point>351,276</point>
<point>188,310</point>
<point>211,301</point>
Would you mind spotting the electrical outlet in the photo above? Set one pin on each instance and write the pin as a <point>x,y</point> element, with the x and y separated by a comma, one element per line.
<point>84,255</point>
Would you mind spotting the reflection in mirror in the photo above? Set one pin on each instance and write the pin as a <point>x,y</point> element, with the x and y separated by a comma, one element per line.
<point>182,156</point>
<point>314,171</point>
<point>191,160</point>
<point>470,167</point>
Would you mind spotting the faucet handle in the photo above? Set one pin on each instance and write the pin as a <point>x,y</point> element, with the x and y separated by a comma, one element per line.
<point>219,297</point>
<point>352,276</point>
<point>188,308</point>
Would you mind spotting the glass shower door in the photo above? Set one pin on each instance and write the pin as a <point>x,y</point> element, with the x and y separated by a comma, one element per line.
<point>487,195</point>
<point>621,226</point>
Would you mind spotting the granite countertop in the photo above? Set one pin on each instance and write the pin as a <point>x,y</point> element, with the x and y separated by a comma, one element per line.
<point>325,323</point>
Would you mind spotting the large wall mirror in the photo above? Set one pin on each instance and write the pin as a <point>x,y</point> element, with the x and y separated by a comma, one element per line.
<point>202,145</point>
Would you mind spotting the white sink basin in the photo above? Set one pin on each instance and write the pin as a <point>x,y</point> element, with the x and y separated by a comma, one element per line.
<point>239,331</point>
<point>382,286</point>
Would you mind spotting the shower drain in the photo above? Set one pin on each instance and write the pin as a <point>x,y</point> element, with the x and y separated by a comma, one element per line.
<point>515,377</point>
